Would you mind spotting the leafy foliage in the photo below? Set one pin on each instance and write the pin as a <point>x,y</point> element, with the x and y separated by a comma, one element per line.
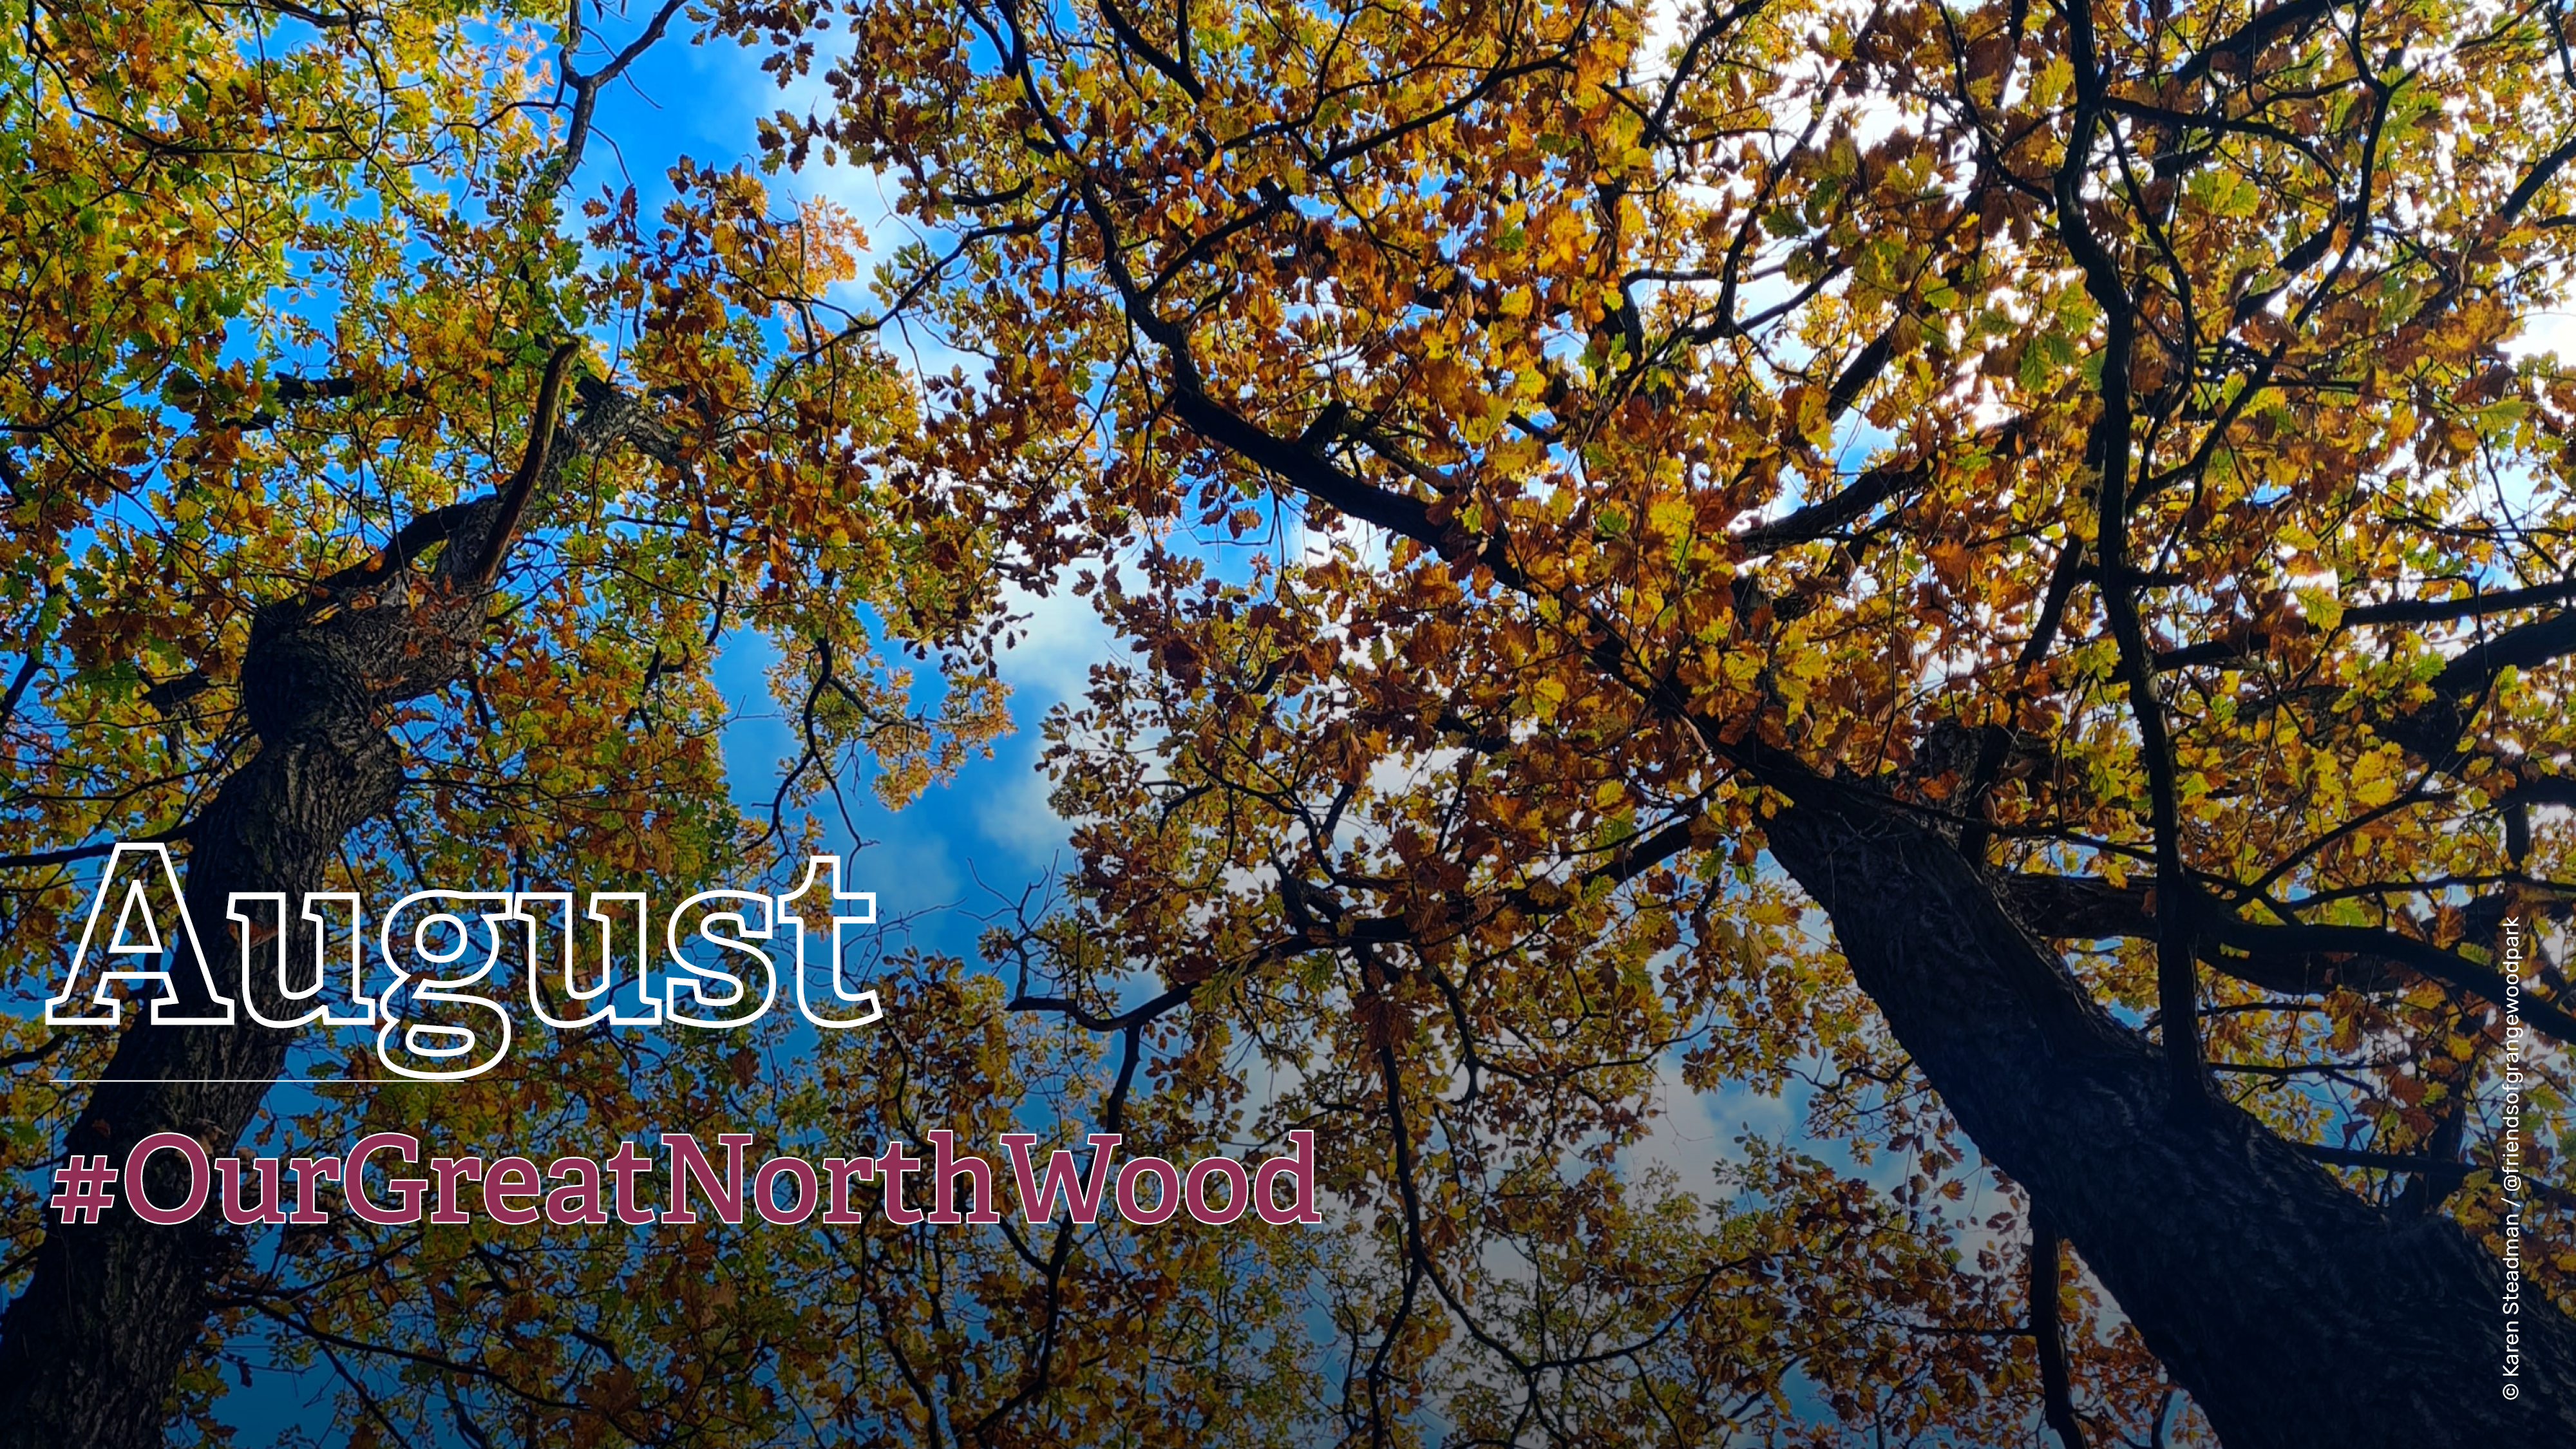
<point>1526,443</point>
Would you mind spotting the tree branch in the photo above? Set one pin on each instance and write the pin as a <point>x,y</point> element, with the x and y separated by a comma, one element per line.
<point>514,497</point>
<point>1829,515</point>
<point>2056,1396</point>
<point>69,854</point>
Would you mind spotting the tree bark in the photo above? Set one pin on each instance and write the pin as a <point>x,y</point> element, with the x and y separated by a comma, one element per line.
<point>2295,1313</point>
<point>89,1353</point>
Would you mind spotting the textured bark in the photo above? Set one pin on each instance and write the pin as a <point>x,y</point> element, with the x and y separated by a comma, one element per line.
<point>89,1353</point>
<point>2296,1313</point>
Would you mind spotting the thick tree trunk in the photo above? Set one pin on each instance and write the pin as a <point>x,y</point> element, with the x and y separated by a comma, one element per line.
<point>2295,1313</point>
<point>89,1353</point>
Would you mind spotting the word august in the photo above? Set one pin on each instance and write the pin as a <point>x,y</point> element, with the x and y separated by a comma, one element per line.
<point>436,1009</point>
<point>784,1190</point>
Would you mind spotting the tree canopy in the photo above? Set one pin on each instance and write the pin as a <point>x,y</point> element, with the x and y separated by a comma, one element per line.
<point>1997,571</point>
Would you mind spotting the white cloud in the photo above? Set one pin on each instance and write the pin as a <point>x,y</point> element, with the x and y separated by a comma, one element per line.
<point>1063,636</point>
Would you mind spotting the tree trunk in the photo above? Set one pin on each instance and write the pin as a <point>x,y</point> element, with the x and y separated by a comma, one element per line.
<point>89,1353</point>
<point>2295,1313</point>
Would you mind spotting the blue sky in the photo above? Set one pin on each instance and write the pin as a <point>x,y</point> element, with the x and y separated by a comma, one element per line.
<point>991,822</point>
<point>979,839</point>
<point>976,841</point>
